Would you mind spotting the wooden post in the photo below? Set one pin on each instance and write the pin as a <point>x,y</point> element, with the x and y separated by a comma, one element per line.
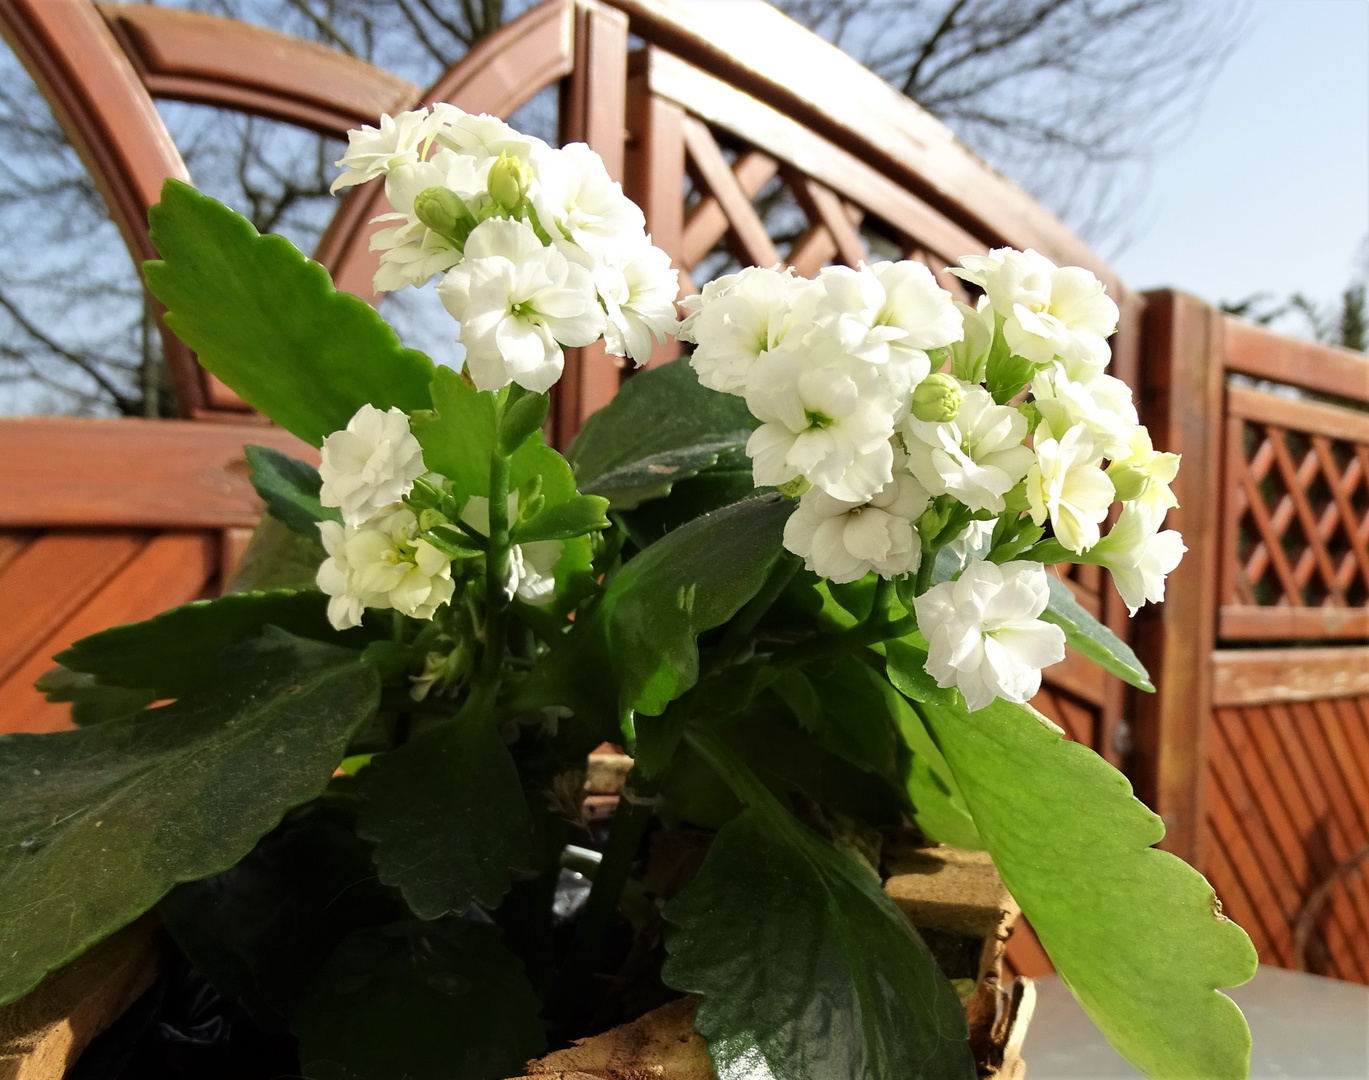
<point>593,111</point>
<point>1181,397</point>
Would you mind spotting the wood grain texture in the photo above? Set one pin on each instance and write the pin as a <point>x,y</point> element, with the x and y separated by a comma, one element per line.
<point>131,473</point>
<point>1256,676</point>
<point>1263,354</point>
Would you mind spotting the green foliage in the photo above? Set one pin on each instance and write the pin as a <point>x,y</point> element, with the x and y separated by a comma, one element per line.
<point>661,427</point>
<point>99,823</point>
<point>576,516</point>
<point>1135,932</point>
<point>277,557</point>
<point>448,817</point>
<point>458,432</point>
<point>526,415</point>
<point>1092,638</point>
<point>260,930</point>
<point>419,1001</point>
<point>805,969</point>
<point>269,323</point>
<point>179,649</point>
<point>92,702</point>
<point>289,488</point>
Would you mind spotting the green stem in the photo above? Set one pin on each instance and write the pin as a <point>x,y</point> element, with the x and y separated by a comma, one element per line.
<point>596,917</point>
<point>496,569</point>
<point>867,633</point>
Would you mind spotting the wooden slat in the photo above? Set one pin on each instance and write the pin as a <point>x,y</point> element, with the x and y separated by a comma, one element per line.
<point>1255,676</point>
<point>1241,622</point>
<point>1299,415</point>
<point>707,223</point>
<point>823,206</point>
<point>810,83</point>
<point>51,579</point>
<point>172,569</point>
<point>711,171</point>
<point>1181,402</point>
<point>1025,954</point>
<point>1253,350</point>
<point>764,127</point>
<point>1080,676</point>
<point>190,56</point>
<point>131,473</point>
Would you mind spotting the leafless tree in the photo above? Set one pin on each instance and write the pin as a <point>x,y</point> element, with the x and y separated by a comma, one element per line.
<point>1063,95</point>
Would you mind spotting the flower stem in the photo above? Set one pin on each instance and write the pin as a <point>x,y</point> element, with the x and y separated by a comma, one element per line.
<point>496,569</point>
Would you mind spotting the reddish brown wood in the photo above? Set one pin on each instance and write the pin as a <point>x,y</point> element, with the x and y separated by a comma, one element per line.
<point>1252,676</point>
<point>190,56</point>
<point>593,111</point>
<point>1253,350</point>
<point>707,223</point>
<point>750,243</point>
<point>1240,622</point>
<point>839,219</point>
<point>172,569</point>
<point>1181,401</point>
<point>131,473</point>
<point>1300,414</point>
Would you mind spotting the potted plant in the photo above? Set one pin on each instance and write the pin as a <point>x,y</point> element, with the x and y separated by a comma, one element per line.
<point>798,576</point>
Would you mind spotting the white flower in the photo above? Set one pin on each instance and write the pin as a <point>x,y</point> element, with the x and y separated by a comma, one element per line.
<point>973,543</point>
<point>1066,485</point>
<point>829,422</point>
<point>889,314</point>
<point>518,303</point>
<point>1155,469</point>
<point>1138,555</point>
<point>978,457</point>
<point>411,253</point>
<point>370,464</point>
<point>983,634</point>
<point>1103,406</point>
<point>532,566</point>
<point>638,287</point>
<point>575,196</point>
<point>373,152</point>
<point>1048,311</point>
<point>740,316</point>
<point>843,541</point>
<point>382,564</point>
<point>480,135</point>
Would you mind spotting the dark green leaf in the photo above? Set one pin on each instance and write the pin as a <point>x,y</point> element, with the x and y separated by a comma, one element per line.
<point>277,557</point>
<point>269,323</point>
<point>1135,933</point>
<point>290,488</point>
<point>574,517</point>
<point>661,427</point>
<point>415,1001</point>
<point>457,436</point>
<point>713,488</point>
<point>99,823</point>
<point>453,541</point>
<point>448,817</point>
<point>262,929</point>
<point>805,969</point>
<point>691,580</point>
<point>907,667</point>
<point>1092,638</point>
<point>92,702</point>
<point>178,650</point>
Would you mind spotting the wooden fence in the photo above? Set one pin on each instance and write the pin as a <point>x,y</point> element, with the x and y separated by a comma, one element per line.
<point>746,140</point>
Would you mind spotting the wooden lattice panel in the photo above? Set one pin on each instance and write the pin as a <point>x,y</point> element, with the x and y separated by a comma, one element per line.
<point>1297,544</point>
<point>1287,805</point>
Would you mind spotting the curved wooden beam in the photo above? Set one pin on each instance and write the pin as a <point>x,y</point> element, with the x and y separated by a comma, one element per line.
<point>752,46</point>
<point>190,56</point>
<point>500,74</point>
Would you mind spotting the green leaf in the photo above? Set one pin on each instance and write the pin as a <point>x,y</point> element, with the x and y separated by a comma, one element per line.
<point>453,541</point>
<point>805,969</point>
<point>661,427</point>
<point>457,434</point>
<point>416,1001</point>
<point>906,664</point>
<point>277,557</point>
<point>690,580</point>
<point>179,649</point>
<point>448,817</point>
<point>92,702</point>
<point>269,323</point>
<point>1135,932</point>
<point>719,485</point>
<point>575,517</point>
<point>290,488</point>
<point>262,929</point>
<point>526,415</point>
<point>99,823</point>
<point>1092,638</point>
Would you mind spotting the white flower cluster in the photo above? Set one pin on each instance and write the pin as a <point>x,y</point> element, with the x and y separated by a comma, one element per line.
<point>839,372</point>
<point>538,247</point>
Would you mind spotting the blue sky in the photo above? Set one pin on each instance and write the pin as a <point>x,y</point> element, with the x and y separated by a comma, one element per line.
<point>1269,189</point>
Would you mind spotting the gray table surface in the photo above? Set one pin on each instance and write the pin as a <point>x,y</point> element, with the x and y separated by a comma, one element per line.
<point>1301,1025</point>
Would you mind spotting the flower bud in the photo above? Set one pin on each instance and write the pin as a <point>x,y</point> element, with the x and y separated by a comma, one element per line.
<point>1129,478</point>
<point>937,399</point>
<point>792,489</point>
<point>445,212</point>
<point>509,181</point>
